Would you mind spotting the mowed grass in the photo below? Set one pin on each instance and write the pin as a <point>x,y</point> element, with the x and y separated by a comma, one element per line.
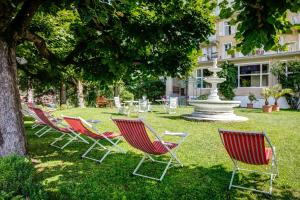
<point>207,167</point>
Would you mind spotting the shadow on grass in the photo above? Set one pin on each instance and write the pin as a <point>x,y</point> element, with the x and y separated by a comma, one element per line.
<point>66,176</point>
<point>172,117</point>
<point>245,110</point>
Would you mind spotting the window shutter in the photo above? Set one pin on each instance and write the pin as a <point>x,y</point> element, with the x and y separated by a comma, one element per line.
<point>233,29</point>
<point>221,28</point>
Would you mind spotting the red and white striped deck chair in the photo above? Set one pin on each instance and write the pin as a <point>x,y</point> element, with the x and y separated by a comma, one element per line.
<point>26,111</point>
<point>81,126</point>
<point>249,148</point>
<point>55,125</point>
<point>135,133</point>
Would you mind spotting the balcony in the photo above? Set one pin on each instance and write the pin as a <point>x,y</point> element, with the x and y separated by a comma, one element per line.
<point>208,57</point>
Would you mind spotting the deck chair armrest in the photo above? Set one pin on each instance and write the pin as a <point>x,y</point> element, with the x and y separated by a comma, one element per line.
<point>175,134</point>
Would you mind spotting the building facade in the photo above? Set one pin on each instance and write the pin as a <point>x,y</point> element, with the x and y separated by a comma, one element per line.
<point>253,70</point>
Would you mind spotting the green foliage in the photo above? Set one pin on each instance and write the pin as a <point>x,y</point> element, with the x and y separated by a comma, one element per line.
<point>259,23</point>
<point>203,97</point>
<point>290,80</point>
<point>266,93</point>
<point>153,89</point>
<point>17,179</point>
<point>125,95</point>
<point>229,71</point>
<point>252,97</point>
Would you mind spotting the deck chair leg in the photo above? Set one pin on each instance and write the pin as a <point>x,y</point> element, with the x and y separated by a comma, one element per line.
<point>72,139</point>
<point>40,135</point>
<point>166,169</point>
<point>34,126</point>
<point>115,145</point>
<point>139,165</point>
<point>56,140</point>
<point>60,138</point>
<point>36,133</point>
<point>89,149</point>
<point>106,154</point>
<point>163,173</point>
<point>232,177</point>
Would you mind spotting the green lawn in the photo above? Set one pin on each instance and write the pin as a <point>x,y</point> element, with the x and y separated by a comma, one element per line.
<point>207,168</point>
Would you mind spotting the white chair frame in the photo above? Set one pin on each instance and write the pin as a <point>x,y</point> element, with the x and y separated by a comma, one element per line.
<point>122,108</point>
<point>172,105</point>
<point>96,143</point>
<point>273,172</point>
<point>173,161</point>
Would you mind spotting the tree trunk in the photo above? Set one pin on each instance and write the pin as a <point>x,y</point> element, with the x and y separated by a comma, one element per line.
<point>63,94</point>
<point>12,133</point>
<point>80,95</point>
<point>30,92</point>
<point>116,90</point>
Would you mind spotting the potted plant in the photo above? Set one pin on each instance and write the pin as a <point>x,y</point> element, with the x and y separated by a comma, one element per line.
<point>251,98</point>
<point>278,92</point>
<point>266,93</point>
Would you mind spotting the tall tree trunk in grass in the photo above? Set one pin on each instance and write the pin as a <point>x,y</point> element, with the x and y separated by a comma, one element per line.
<point>30,94</point>
<point>63,94</point>
<point>12,134</point>
<point>116,90</point>
<point>80,95</point>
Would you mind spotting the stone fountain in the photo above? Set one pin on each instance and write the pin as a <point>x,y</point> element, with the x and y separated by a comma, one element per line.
<point>214,109</point>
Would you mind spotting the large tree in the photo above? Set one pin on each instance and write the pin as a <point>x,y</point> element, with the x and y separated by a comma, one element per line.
<point>112,40</point>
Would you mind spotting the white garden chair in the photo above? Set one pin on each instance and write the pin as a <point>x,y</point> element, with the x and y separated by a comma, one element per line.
<point>172,105</point>
<point>122,108</point>
<point>144,105</point>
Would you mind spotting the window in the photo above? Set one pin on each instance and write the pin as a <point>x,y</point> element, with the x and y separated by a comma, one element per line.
<point>253,75</point>
<point>227,28</point>
<point>227,46</point>
<point>202,73</point>
<point>296,19</point>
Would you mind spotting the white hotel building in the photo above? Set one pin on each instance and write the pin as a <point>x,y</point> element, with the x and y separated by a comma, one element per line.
<point>253,70</point>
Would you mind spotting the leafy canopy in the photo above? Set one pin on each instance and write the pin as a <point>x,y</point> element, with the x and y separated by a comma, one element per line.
<point>259,22</point>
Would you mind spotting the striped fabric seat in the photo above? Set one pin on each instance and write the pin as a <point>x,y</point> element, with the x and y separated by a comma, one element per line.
<point>54,124</point>
<point>77,125</point>
<point>49,122</point>
<point>249,148</point>
<point>246,147</point>
<point>135,134</point>
<point>80,126</point>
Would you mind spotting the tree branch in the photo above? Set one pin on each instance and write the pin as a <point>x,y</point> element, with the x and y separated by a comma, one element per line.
<point>40,44</point>
<point>77,49</point>
<point>20,23</point>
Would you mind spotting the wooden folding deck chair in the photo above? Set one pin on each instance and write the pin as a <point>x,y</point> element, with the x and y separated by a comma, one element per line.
<point>135,133</point>
<point>80,126</point>
<point>249,148</point>
<point>55,125</point>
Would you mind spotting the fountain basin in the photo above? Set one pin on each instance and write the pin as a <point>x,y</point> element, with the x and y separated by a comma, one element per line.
<point>208,110</point>
<point>214,80</point>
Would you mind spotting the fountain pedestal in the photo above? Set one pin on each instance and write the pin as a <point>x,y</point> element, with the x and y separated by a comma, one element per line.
<point>213,109</point>
<point>206,110</point>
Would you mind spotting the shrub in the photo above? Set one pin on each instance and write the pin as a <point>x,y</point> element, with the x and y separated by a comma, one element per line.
<point>252,97</point>
<point>289,80</point>
<point>126,95</point>
<point>203,97</point>
<point>17,179</point>
<point>229,71</point>
<point>153,89</point>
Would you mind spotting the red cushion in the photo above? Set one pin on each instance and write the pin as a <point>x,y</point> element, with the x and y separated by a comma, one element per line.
<point>109,135</point>
<point>160,147</point>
